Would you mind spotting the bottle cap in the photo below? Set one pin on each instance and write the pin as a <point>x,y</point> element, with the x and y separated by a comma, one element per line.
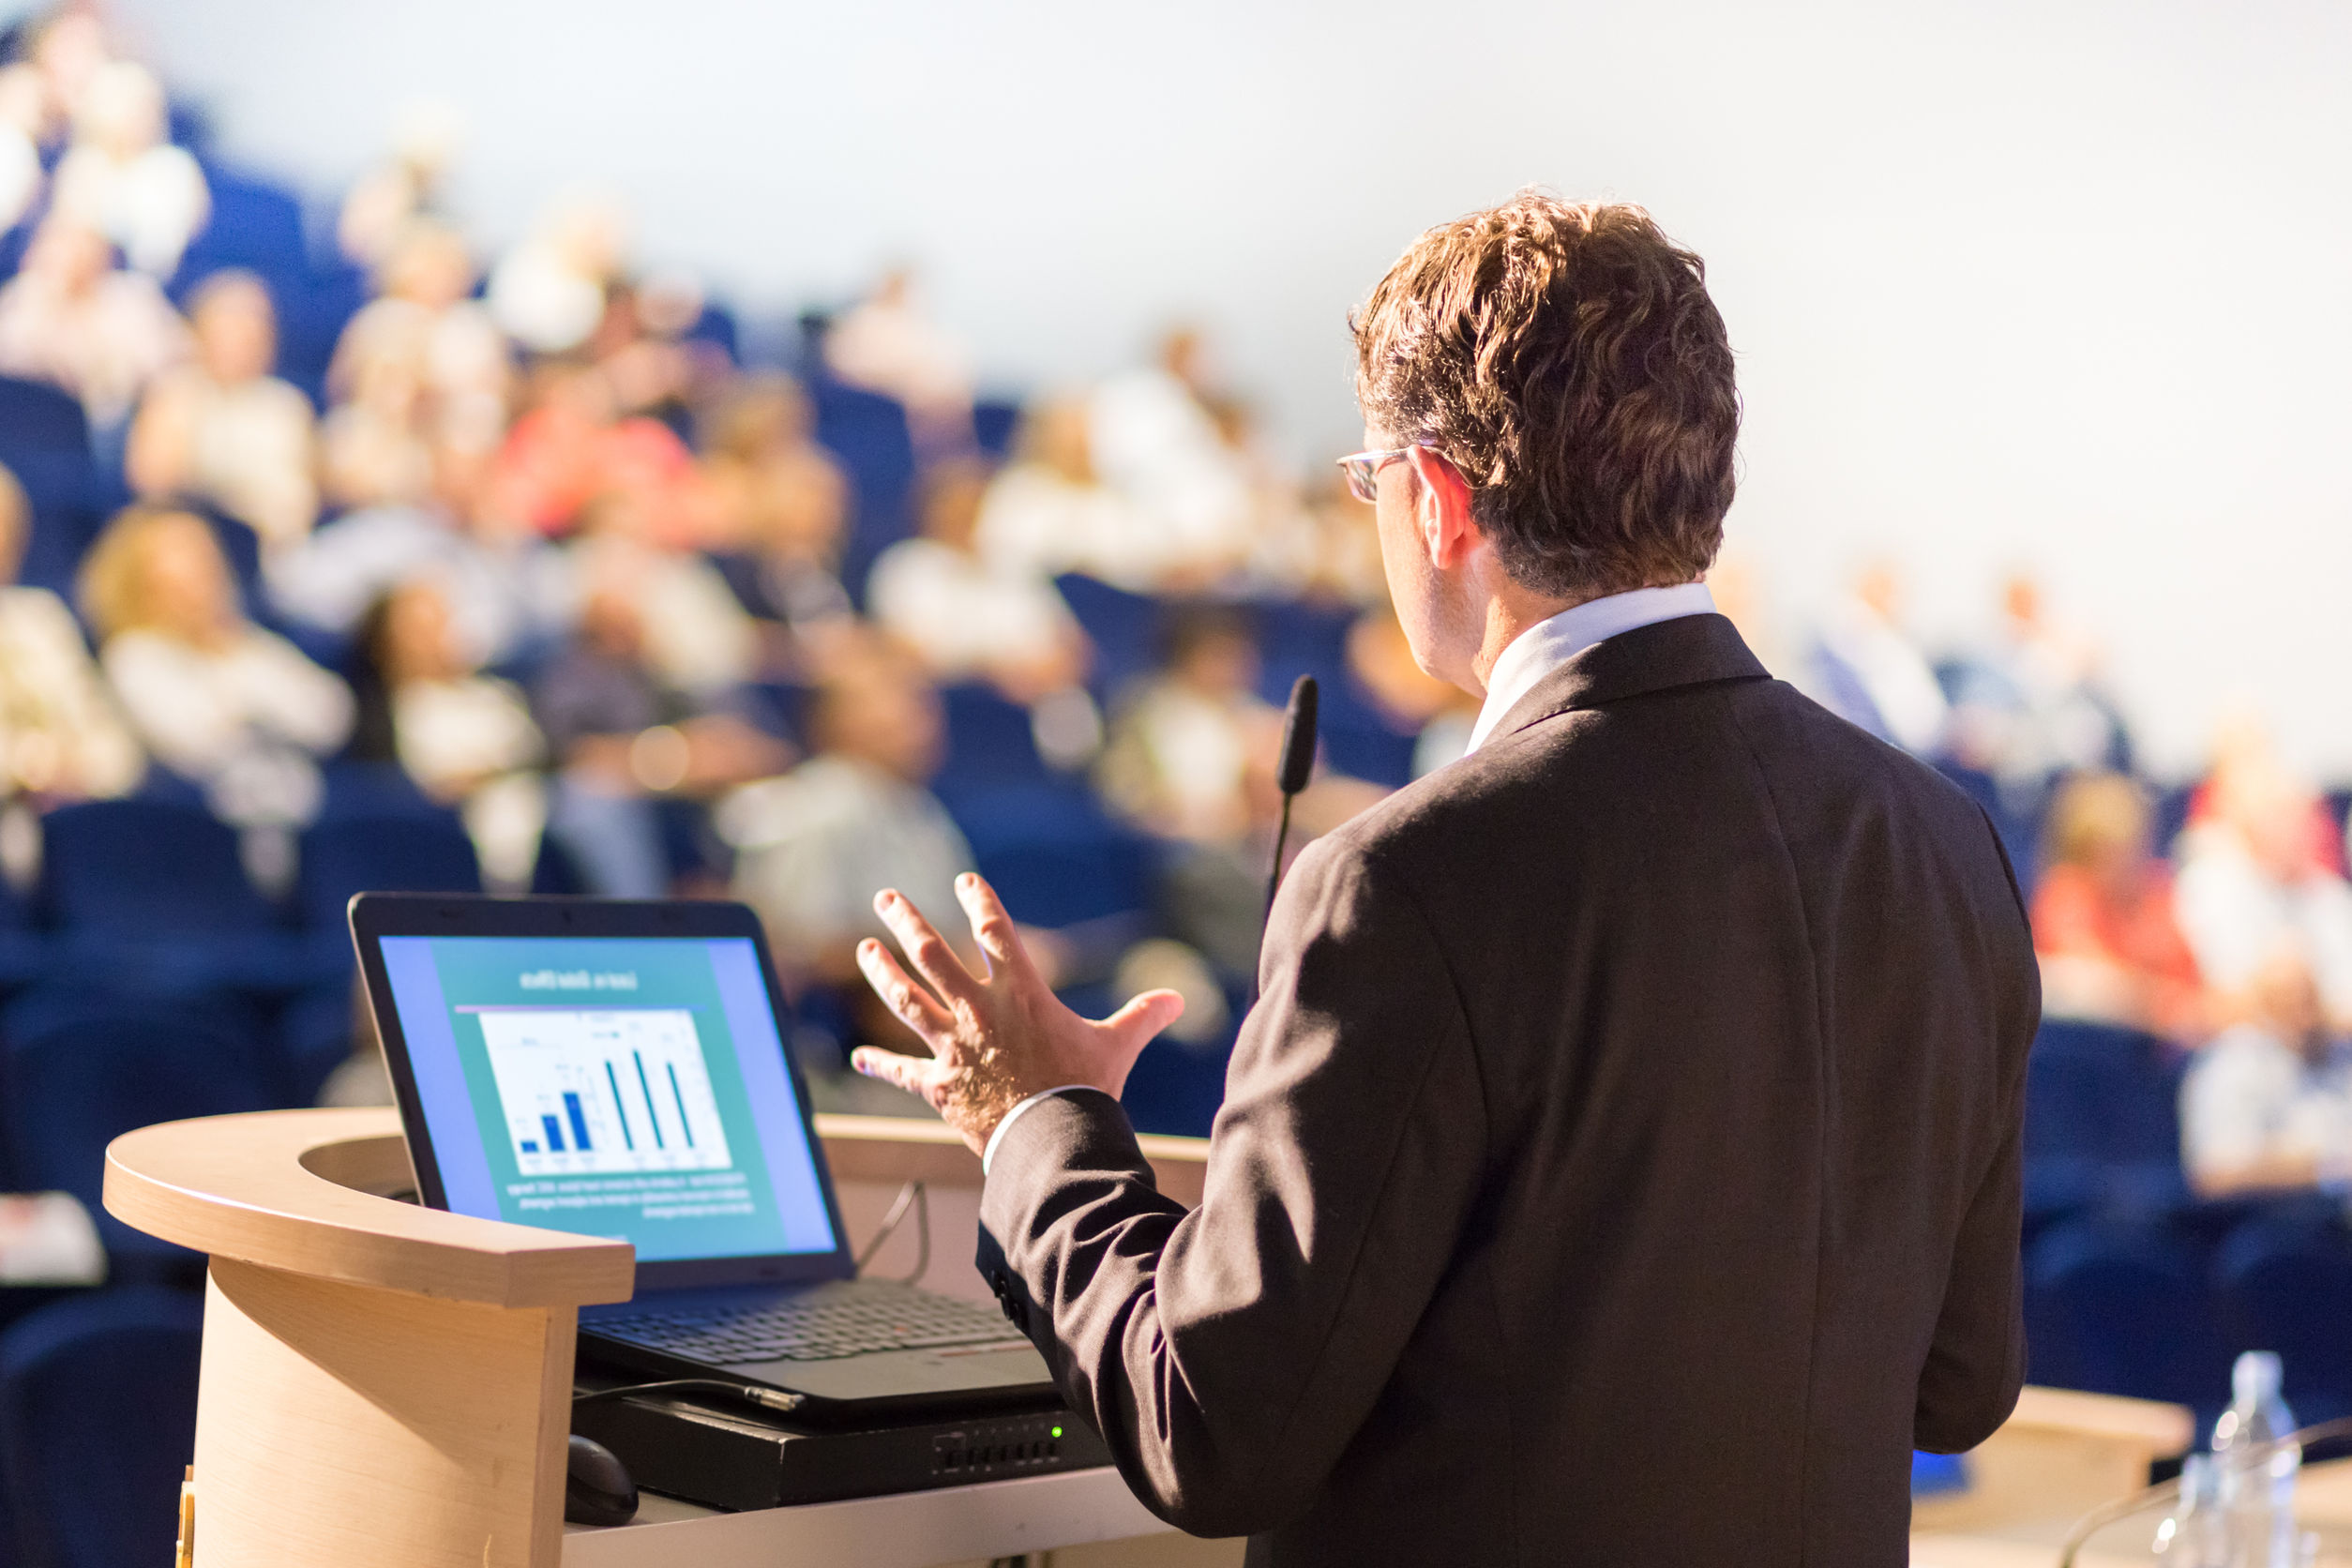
<point>2255,1375</point>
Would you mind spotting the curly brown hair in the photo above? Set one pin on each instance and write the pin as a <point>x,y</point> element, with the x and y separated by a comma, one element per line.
<point>1566,358</point>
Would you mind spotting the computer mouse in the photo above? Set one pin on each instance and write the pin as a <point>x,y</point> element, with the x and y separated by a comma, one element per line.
<point>598,1487</point>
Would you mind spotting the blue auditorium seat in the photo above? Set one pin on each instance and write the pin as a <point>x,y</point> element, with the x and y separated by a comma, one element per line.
<point>2103,1120</point>
<point>82,1067</point>
<point>2120,1306</point>
<point>869,432</point>
<point>990,740</point>
<point>98,1421</point>
<point>1053,855</point>
<point>994,423</point>
<point>45,441</point>
<point>152,895</point>
<point>1125,628</point>
<point>2285,1283</point>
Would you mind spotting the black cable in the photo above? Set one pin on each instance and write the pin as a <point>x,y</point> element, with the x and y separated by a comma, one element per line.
<point>750,1393</point>
<point>913,1195</point>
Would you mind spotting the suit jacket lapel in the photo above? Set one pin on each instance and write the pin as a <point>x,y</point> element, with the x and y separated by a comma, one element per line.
<point>1689,650</point>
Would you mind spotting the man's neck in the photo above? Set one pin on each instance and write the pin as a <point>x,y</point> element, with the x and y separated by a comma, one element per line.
<point>1510,612</point>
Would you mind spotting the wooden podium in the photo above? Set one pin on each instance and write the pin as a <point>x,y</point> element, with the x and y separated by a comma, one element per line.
<point>383,1385</point>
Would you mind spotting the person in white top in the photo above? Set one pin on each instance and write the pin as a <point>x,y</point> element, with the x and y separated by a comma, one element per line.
<point>70,318</point>
<point>2268,1103</point>
<point>215,697</point>
<point>225,430</point>
<point>965,617</point>
<point>60,736</point>
<point>466,739</point>
<point>549,292</point>
<point>1868,671</point>
<point>2252,882</point>
<point>886,344</point>
<point>1049,512</point>
<point>422,330</point>
<point>122,179</point>
<point>1157,443</point>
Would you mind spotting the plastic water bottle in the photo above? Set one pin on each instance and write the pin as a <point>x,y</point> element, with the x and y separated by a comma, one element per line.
<point>2257,1471</point>
<point>2197,1533</point>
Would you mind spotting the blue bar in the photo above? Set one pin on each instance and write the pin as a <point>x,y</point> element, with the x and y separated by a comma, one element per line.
<point>579,1122</point>
<point>530,1147</point>
<point>651,1114</point>
<point>681,1099</point>
<point>619,1110</point>
<point>555,1135</point>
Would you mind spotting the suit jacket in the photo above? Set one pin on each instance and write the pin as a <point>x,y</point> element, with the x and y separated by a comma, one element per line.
<point>1621,1166</point>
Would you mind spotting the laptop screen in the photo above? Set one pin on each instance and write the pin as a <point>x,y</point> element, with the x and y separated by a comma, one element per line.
<point>630,1088</point>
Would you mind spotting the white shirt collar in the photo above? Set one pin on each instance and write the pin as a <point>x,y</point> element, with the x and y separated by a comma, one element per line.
<point>1547,645</point>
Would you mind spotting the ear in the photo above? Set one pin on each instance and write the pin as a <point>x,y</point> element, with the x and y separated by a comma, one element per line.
<point>1442,509</point>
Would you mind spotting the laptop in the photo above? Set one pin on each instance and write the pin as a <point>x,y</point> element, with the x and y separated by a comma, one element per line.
<point>617,1069</point>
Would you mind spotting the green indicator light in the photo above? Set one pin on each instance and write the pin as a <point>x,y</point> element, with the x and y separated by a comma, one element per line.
<point>1057,1431</point>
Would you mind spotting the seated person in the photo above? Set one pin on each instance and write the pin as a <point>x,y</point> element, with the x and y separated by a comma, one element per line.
<point>2102,917</point>
<point>549,292</point>
<point>779,502</point>
<point>214,697</point>
<point>965,618</point>
<point>1157,443</point>
<point>507,587</point>
<point>383,203</point>
<point>1867,669</point>
<point>572,448</point>
<point>424,329</point>
<point>221,429</point>
<point>814,846</point>
<point>466,739</point>
<point>122,178</point>
<point>1048,512</point>
<point>2258,875</point>
<point>2269,1104</point>
<point>621,737</point>
<point>886,344</point>
<point>71,318</point>
<point>1192,752</point>
<point>61,738</point>
<point>698,637</point>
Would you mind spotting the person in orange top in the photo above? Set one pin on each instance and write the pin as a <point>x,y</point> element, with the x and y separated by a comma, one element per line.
<point>2102,917</point>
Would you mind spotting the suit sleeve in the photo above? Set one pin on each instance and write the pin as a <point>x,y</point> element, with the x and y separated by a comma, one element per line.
<point>1229,1354</point>
<point>1976,1363</point>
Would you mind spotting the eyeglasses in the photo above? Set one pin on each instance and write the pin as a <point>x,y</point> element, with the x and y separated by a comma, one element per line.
<point>1363,470</point>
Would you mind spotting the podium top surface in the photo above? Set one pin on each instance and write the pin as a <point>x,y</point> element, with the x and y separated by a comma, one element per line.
<point>305,1191</point>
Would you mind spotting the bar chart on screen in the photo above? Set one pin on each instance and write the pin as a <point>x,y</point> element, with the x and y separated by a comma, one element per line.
<point>604,1090</point>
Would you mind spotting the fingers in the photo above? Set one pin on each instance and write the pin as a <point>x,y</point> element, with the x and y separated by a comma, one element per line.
<point>912,1074</point>
<point>925,948</point>
<point>915,1007</point>
<point>991,925</point>
<point>1143,1017</point>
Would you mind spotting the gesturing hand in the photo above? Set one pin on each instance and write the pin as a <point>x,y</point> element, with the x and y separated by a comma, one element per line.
<point>995,1038</point>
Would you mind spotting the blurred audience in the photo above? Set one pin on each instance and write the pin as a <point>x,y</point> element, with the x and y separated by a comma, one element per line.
<point>2260,871</point>
<point>216,698</point>
<point>573,447</point>
<point>2027,708</point>
<point>778,503</point>
<point>1049,512</point>
<point>621,738</point>
<point>2102,917</point>
<point>424,336</point>
<point>1156,441</point>
<point>220,430</point>
<point>2269,1104</point>
<point>382,204</point>
<point>1868,671</point>
<point>886,343</point>
<point>70,318</point>
<point>122,178</point>
<point>1438,714</point>
<point>814,846</point>
<point>22,115</point>
<point>964,616</point>
<point>549,292</point>
<point>466,739</point>
<point>61,738</point>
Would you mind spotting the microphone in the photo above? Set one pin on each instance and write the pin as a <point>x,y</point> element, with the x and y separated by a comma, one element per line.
<point>1298,761</point>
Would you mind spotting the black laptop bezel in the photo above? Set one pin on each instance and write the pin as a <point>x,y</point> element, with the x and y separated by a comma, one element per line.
<point>377,916</point>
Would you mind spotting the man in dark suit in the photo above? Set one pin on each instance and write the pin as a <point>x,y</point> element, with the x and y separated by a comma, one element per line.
<point>1623,1164</point>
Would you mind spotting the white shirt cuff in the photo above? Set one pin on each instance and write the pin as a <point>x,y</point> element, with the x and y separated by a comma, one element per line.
<point>987,1155</point>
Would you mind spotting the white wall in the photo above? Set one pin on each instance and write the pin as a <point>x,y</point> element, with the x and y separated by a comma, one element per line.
<point>2060,284</point>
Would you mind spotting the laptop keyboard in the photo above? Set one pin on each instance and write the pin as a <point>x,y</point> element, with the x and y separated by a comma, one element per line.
<point>819,1327</point>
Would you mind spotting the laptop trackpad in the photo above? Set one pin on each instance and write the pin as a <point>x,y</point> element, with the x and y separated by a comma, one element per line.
<point>901,1374</point>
